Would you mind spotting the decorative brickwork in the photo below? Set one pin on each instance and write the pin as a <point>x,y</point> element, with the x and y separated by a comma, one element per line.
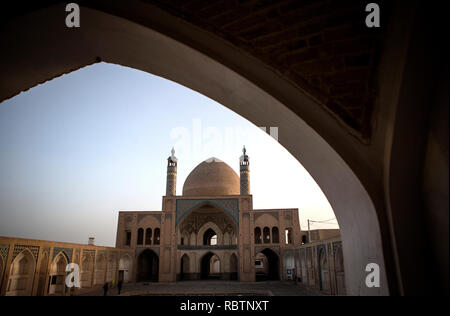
<point>4,250</point>
<point>322,46</point>
<point>228,205</point>
<point>66,251</point>
<point>19,248</point>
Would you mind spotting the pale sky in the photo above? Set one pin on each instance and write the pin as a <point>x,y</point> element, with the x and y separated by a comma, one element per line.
<point>81,147</point>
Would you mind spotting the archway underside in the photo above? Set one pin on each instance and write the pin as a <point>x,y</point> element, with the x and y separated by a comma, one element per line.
<point>204,225</point>
<point>147,266</point>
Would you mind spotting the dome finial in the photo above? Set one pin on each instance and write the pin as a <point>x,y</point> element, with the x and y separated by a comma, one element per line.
<point>244,150</point>
<point>173,151</point>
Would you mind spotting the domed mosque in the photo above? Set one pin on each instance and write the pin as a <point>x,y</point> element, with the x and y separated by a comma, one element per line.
<point>211,231</point>
<point>212,177</point>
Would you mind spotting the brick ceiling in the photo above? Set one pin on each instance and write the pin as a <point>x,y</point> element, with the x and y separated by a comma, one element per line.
<point>322,46</point>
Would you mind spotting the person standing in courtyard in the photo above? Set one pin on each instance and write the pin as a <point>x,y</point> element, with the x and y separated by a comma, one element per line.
<point>105,289</point>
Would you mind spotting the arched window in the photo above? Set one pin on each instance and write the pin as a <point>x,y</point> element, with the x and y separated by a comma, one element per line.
<point>275,235</point>
<point>127,238</point>
<point>210,237</point>
<point>156,237</point>
<point>266,235</point>
<point>148,236</point>
<point>140,236</point>
<point>21,276</point>
<point>257,235</point>
<point>304,239</point>
<point>289,236</point>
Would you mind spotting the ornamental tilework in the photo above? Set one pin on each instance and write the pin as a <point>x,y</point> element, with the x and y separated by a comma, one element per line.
<point>4,250</point>
<point>230,206</point>
<point>19,248</point>
<point>66,251</point>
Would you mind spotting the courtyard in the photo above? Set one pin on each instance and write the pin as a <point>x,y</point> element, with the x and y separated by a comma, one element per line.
<point>205,288</point>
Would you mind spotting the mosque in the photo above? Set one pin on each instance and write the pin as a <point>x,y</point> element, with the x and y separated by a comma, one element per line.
<point>211,231</point>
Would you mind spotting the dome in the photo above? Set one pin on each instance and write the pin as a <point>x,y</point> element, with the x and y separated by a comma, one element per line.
<point>212,177</point>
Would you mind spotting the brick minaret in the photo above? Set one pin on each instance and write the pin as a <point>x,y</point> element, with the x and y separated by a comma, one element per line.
<point>245,173</point>
<point>171,185</point>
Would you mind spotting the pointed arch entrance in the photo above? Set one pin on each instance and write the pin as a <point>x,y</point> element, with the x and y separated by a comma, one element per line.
<point>185,267</point>
<point>20,281</point>
<point>148,266</point>
<point>124,268</point>
<point>210,266</point>
<point>58,275</point>
<point>267,265</point>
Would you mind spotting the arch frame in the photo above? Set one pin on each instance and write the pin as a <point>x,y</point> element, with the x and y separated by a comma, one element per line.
<point>273,257</point>
<point>29,287</point>
<point>125,261</point>
<point>144,255</point>
<point>115,44</point>
<point>204,228</point>
<point>211,254</point>
<point>183,212</point>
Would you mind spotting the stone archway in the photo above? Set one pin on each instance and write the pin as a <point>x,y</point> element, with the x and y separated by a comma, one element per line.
<point>209,237</point>
<point>205,221</point>
<point>270,262</point>
<point>131,44</point>
<point>21,275</point>
<point>87,267</point>
<point>58,275</point>
<point>185,269</point>
<point>324,275</point>
<point>125,264</point>
<point>210,266</point>
<point>148,266</point>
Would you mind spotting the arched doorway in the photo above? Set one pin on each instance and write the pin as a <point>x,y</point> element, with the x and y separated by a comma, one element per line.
<point>339,271</point>
<point>267,265</point>
<point>124,269</point>
<point>233,267</point>
<point>210,267</point>
<point>58,275</point>
<point>148,266</point>
<point>185,267</point>
<point>210,237</point>
<point>324,277</point>
<point>21,275</point>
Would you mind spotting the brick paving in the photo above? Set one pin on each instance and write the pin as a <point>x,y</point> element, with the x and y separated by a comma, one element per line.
<point>210,287</point>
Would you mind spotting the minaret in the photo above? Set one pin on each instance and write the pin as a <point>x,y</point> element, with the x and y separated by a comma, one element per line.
<point>245,173</point>
<point>171,185</point>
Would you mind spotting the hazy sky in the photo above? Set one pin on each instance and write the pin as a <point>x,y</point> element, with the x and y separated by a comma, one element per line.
<point>80,148</point>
